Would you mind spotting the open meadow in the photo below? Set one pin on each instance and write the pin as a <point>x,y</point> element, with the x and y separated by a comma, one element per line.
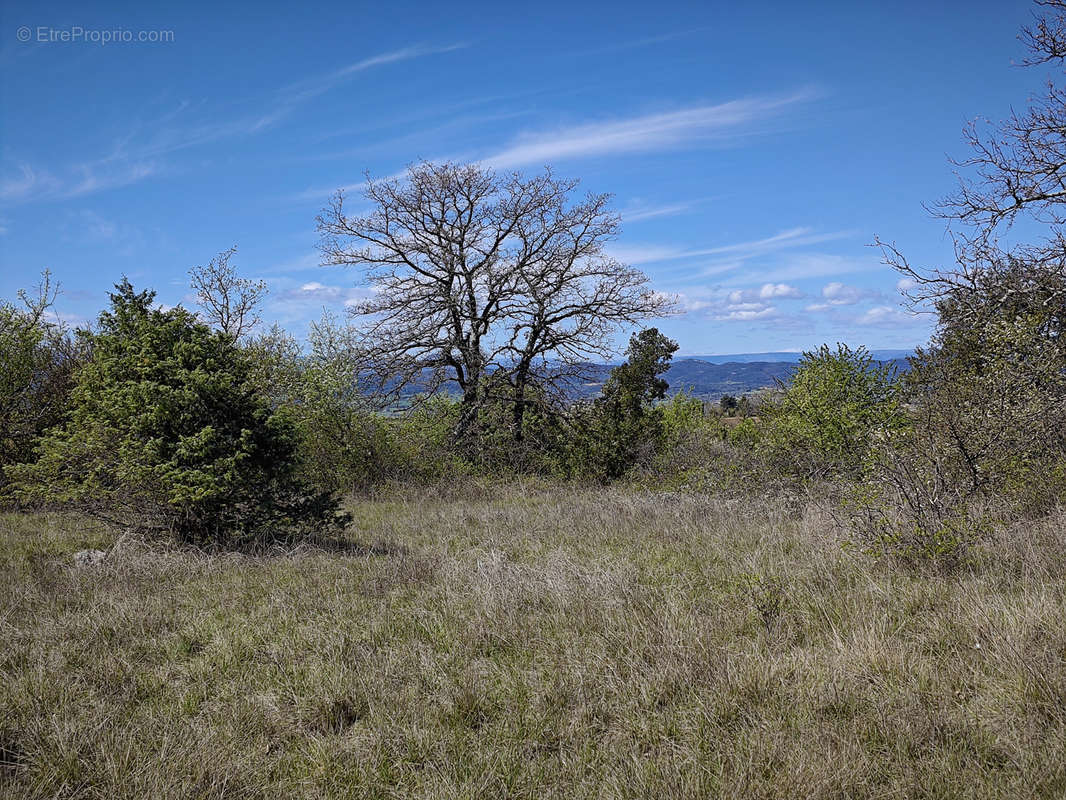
<point>530,640</point>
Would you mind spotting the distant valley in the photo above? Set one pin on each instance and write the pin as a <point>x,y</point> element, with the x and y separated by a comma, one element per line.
<point>709,377</point>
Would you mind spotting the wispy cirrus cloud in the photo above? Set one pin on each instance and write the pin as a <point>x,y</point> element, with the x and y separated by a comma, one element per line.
<point>33,183</point>
<point>708,124</point>
<point>724,258</point>
<point>302,91</point>
<point>289,98</point>
<point>792,237</point>
<point>643,212</point>
<point>646,41</point>
<point>804,266</point>
<point>135,154</point>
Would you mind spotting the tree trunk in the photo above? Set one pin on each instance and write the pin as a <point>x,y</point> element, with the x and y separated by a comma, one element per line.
<point>519,412</point>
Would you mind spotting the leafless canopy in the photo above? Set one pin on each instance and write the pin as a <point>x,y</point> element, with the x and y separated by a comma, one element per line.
<point>474,274</point>
<point>227,301</point>
<point>1018,166</point>
<point>987,282</point>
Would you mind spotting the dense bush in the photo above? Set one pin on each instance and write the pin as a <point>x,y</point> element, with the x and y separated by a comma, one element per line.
<point>835,407</point>
<point>166,434</point>
<point>499,445</point>
<point>37,363</point>
<point>347,441</point>
<point>986,443</point>
<point>991,397</point>
<point>343,444</point>
<point>691,446</point>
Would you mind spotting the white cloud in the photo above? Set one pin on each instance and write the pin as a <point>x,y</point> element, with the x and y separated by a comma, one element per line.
<point>748,312</point>
<point>634,43</point>
<point>768,291</point>
<point>721,123</point>
<point>302,91</point>
<point>905,284</point>
<point>706,124</point>
<point>689,304</point>
<point>284,101</point>
<point>885,316</point>
<point>792,237</point>
<point>78,180</point>
<point>839,294</point>
<point>312,296</point>
<point>737,252</point>
<point>20,185</point>
<point>725,305</point>
<point>644,253</point>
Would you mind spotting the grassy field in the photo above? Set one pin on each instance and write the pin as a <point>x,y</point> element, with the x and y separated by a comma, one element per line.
<point>532,641</point>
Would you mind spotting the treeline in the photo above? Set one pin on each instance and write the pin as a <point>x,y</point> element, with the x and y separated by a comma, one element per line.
<point>158,420</point>
<point>161,423</point>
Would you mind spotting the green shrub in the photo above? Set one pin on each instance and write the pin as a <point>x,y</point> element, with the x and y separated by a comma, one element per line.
<point>987,425</point>
<point>834,408</point>
<point>492,446</point>
<point>166,434</point>
<point>747,434</point>
<point>990,398</point>
<point>419,445</point>
<point>343,442</point>
<point>37,363</point>
<point>912,516</point>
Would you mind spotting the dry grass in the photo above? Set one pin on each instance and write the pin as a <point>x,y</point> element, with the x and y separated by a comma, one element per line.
<point>533,642</point>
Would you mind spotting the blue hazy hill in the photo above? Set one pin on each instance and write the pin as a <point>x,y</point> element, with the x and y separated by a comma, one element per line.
<point>710,377</point>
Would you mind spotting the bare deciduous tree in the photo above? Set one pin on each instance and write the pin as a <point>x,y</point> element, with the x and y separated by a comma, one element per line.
<point>1019,166</point>
<point>1015,169</point>
<point>475,274</point>
<point>228,302</point>
<point>989,392</point>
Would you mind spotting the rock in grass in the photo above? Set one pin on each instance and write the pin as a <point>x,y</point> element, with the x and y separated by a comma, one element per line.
<point>89,558</point>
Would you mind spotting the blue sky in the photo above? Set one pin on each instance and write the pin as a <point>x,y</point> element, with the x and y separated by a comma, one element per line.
<point>753,150</point>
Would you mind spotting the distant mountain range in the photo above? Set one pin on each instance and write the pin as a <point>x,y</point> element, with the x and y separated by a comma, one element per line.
<point>710,377</point>
<point>789,356</point>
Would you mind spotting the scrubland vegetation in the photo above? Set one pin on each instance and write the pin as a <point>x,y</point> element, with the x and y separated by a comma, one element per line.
<point>294,588</point>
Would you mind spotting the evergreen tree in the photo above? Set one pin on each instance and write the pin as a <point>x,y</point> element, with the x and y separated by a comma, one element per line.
<point>166,433</point>
<point>623,420</point>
